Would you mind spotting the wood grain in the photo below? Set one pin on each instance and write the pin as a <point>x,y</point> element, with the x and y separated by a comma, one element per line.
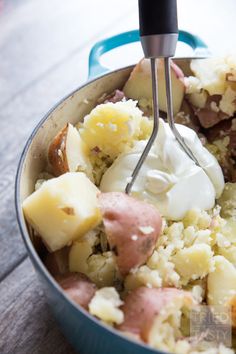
<point>44,47</point>
<point>40,35</point>
<point>18,117</point>
<point>26,324</point>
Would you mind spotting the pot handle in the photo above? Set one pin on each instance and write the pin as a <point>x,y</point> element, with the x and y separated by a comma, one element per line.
<point>105,45</point>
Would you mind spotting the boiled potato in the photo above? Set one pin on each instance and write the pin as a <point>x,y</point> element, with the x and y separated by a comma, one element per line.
<point>229,230</point>
<point>212,91</point>
<point>221,285</point>
<point>198,99</point>
<point>132,228</point>
<point>105,305</point>
<point>80,252</point>
<point>139,84</point>
<point>229,253</point>
<point>100,268</point>
<point>63,209</point>
<point>143,276</point>
<point>227,201</point>
<point>69,153</point>
<point>78,287</point>
<point>212,74</point>
<point>112,127</point>
<point>193,262</point>
<point>143,305</point>
<point>228,103</point>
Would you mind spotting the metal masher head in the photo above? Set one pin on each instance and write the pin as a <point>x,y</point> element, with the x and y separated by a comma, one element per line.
<point>159,36</point>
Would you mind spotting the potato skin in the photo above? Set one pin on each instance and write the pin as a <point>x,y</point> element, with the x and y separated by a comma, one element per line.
<point>78,287</point>
<point>57,153</point>
<point>125,219</point>
<point>221,286</point>
<point>142,305</point>
<point>57,262</point>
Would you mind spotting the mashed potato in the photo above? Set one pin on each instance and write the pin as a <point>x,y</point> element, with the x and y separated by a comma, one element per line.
<point>186,254</point>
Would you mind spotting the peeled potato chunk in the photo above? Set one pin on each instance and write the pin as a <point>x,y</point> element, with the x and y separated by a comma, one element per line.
<point>63,209</point>
<point>80,251</point>
<point>139,84</point>
<point>193,262</point>
<point>221,285</point>
<point>112,127</point>
<point>132,228</point>
<point>105,305</point>
<point>69,153</point>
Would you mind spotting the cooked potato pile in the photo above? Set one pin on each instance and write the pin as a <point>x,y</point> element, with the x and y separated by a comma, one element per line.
<point>116,255</point>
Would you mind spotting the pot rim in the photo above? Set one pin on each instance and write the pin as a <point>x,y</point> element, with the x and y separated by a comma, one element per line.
<point>34,257</point>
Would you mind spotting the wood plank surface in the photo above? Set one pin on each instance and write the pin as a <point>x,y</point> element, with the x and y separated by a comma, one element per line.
<point>40,35</point>
<point>26,324</point>
<point>18,117</point>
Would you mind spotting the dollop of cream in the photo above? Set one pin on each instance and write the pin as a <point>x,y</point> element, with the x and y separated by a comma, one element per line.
<point>169,179</point>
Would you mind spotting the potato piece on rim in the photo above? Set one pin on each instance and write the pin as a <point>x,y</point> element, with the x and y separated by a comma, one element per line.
<point>69,153</point>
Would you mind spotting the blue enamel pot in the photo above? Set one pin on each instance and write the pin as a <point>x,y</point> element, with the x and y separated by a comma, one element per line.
<point>86,334</point>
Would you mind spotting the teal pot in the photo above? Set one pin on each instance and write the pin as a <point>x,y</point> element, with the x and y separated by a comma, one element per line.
<point>86,334</point>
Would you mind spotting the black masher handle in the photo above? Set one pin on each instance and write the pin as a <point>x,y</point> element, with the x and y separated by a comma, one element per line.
<point>158,17</point>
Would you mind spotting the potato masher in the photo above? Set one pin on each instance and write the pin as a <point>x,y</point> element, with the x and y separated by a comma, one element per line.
<point>159,35</point>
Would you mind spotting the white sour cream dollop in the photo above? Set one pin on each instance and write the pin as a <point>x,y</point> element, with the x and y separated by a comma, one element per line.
<point>168,178</point>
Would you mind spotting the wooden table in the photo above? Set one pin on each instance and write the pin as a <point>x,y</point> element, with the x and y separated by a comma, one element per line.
<point>44,47</point>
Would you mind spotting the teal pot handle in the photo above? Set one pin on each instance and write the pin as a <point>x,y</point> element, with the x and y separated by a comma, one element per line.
<point>105,45</point>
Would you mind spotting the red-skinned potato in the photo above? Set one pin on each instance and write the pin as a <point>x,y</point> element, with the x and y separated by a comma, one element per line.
<point>56,153</point>
<point>139,84</point>
<point>78,287</point>
<point>142,305</point>
<point>69,153</point>
<point>132,228</point>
